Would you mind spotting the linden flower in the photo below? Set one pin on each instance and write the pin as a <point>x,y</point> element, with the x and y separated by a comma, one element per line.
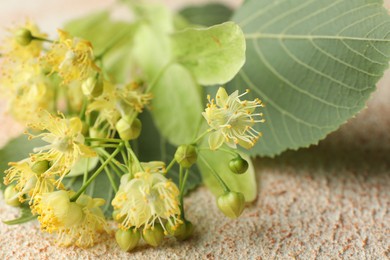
<point>66,143</point>
<point>76,223</point>
<point>147,198</point>
<point>119,101</point>
<point>232,120</point>
<point>27,89</point>
<point>72,58</point>
<point>27,181</point>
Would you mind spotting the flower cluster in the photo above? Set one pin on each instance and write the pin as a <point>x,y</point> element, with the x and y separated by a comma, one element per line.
<point>87,127</point>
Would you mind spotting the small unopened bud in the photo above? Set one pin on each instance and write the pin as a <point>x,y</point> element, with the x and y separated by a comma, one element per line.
<point>92,87</point>
<point>189,229</point>
<point>128,131</point>
<point>238,165</point>
<point>186,155</point>
<point>154,235</point>
<point>23,36</point>
<point>11,196</point>
<point>127,239</point>
<point>231,204</point>
<point>116,217</point>
<point>176,230</point>
<point>40,167</point>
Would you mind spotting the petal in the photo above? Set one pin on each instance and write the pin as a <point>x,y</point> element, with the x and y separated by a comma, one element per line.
<point>221,97</point>
<point>216,139</point>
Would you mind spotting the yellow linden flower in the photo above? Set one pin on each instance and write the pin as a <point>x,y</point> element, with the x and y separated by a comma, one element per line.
<point>145,199</point>
<point>72,58</point>
<point>76,223</point>
<point>66,143</point>
<point>119,101</point>
<point>28,182</point>
<point>232,120</point>
<point>27,89</point>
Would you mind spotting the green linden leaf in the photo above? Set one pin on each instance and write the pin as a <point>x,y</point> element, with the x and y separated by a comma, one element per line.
<point>25,216</point>
<point>219,162</point>
<point>177,105</point>
<point>213,55</point>
<point>313,63</point>
<point>207,15</point>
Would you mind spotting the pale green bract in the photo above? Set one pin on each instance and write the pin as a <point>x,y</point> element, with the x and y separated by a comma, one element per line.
<point>313,63</point>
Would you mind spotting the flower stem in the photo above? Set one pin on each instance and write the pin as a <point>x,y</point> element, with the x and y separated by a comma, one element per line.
<point>112,182</point>
<point>107,140</point>
<point>132,154</point>
<point>201,136</point>
<point>170,165</point>
<point>219,179</point>
<point>98,171</point>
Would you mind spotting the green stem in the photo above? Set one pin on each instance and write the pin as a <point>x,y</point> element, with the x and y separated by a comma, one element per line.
<point>98,171</point>
<point>112,182</point>
<point>170,165</point>
<point>85,177</point>
<point>115,169</point>
<point>107,140</point>
<point>83,109</point>
<point>117,163</point>
<point>104,146</point>
<point>181,200</point>
<point>200,136</point>
<point>132,154</point>
<point>219,179</point>
<point>42,39</point>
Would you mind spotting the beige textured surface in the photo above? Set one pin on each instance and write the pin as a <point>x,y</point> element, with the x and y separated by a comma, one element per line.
<point>329,201</point>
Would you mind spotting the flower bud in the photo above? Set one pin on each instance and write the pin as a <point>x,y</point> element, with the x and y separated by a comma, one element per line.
<point>231,204</point>
<point>11,196</point>
<point>116,217</point>
<point>128,132</point>
<point>238,165</point>
<point>176,230</point>
<point>186,155</point>
<point>92,87</point>
<point>189,229</point>
<point>154,235</point>
<point>40,167</point>
<point>127,239</point>
<point>23,36</point>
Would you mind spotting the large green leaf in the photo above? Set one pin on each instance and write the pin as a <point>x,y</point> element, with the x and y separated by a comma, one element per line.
<point>314,63</point>
<point>177,105</point>
<point>207,15</point>
<point>213,55</point>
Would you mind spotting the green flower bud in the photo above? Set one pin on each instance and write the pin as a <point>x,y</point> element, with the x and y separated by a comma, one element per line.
<point>10,196</point>
<point>23,36</point>
<point>92,87</point>
<point>116,217</point>
<point>127,239</point>
<point>40,167</point>
<point>189,230</point>
<point>128,132</point>
<point>153,236</point>
<point>186,155</point>
<point>231,204</point>
<point>238,165</point>
<point>176,230</point>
